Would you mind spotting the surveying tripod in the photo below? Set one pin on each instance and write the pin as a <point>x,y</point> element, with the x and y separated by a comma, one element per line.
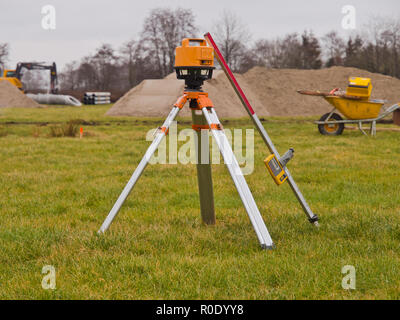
<point>206,120</point>
<point>194,62</point>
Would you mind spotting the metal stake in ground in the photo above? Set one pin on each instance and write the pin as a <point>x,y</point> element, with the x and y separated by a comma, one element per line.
<point>194,62</point>
<point>311,216</point>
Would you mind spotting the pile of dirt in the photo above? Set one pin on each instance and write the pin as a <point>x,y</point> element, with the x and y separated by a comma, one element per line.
<point>271,92</point>
<point>12,97</point>
<point>277,88</point>
<point>226,102</point>
<point>151,98</point>
<point>155,98</point>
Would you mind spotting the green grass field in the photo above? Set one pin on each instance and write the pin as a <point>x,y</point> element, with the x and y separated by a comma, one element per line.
<point>56,192</point>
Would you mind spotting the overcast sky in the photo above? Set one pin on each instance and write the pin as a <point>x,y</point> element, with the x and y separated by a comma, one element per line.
<point>83,25</point>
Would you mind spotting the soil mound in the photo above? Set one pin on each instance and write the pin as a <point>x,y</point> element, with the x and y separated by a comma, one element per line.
<point>277,88</point>
<point>151,98</point>
<point>271,92</point>
<point>155,98</point>
<point>12,97</point>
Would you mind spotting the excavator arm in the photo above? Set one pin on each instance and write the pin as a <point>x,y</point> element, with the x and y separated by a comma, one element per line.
<point>39,66</point>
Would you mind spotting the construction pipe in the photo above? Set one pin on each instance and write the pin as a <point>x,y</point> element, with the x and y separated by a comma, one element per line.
<point>98,94</point>
<point>48,98</point>
<point>97,98</point>
<point>96,102</point>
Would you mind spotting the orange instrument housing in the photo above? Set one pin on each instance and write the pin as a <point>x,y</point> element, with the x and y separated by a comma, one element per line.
<point>194,53</point>
<point>194,62</point>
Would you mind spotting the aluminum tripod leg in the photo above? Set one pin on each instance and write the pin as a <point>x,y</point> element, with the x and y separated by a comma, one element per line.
<point>246,104</point>
<point>313,218</point>
<point>139,170</point>
<point>238,178</point>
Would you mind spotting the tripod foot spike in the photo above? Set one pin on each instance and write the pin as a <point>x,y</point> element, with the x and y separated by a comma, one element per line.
<point>314,220</point>
<point>266,247</point>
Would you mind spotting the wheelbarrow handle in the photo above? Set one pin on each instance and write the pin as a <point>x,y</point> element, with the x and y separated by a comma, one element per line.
<point>328,94</point>
<point>313,93</point>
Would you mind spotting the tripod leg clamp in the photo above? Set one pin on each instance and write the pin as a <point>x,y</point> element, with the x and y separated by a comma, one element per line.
<point>181,101</point>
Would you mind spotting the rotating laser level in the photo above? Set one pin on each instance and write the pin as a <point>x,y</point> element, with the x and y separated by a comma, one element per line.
<point>194,62</point>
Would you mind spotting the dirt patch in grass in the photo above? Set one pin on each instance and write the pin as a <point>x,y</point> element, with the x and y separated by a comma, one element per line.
<point>69,129</point>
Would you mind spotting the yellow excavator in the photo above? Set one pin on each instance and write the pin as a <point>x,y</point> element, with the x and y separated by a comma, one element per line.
<point>9,75</point>
<point>14,76</point>
<point>51,97</point>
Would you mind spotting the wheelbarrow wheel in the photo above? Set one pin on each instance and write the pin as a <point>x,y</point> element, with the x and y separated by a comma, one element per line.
<point>331,129</point>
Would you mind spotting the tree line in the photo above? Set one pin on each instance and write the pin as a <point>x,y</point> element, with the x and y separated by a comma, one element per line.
<point>151,55</point>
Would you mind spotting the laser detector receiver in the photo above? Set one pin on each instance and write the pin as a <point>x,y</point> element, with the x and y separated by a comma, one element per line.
<point>275,169</point>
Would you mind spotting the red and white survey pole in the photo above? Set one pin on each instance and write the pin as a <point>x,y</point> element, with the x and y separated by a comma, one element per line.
<point>246,104</point>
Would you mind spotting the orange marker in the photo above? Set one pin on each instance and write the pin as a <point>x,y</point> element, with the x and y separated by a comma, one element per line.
<point>81,133</point>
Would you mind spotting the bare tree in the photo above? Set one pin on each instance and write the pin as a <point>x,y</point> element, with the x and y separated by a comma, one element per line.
<point>87,75</point>
<point>311,51</point>
<point>353,51</point>
<point>104,62</point>
<point>391,38</point>
<point>130,56</point>
<point>232,37</point>
<point>377,44</point>
<point>335,49</point>
<point>69,76</point>
<point>163,30</point>
<point>290,52</point>
<point>279,53</point>
<point>269,53</point>
<point>4,51</point>
<point>380,47</point>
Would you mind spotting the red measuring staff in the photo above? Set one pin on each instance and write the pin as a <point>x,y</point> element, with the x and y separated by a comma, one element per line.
<point>313,218</point>
<point>229,74</point>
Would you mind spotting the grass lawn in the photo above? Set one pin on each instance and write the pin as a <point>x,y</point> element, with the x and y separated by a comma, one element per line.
<point>56,192</point>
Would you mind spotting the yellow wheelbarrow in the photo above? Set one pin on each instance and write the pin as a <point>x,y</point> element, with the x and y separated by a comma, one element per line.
<point>354,104</point>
